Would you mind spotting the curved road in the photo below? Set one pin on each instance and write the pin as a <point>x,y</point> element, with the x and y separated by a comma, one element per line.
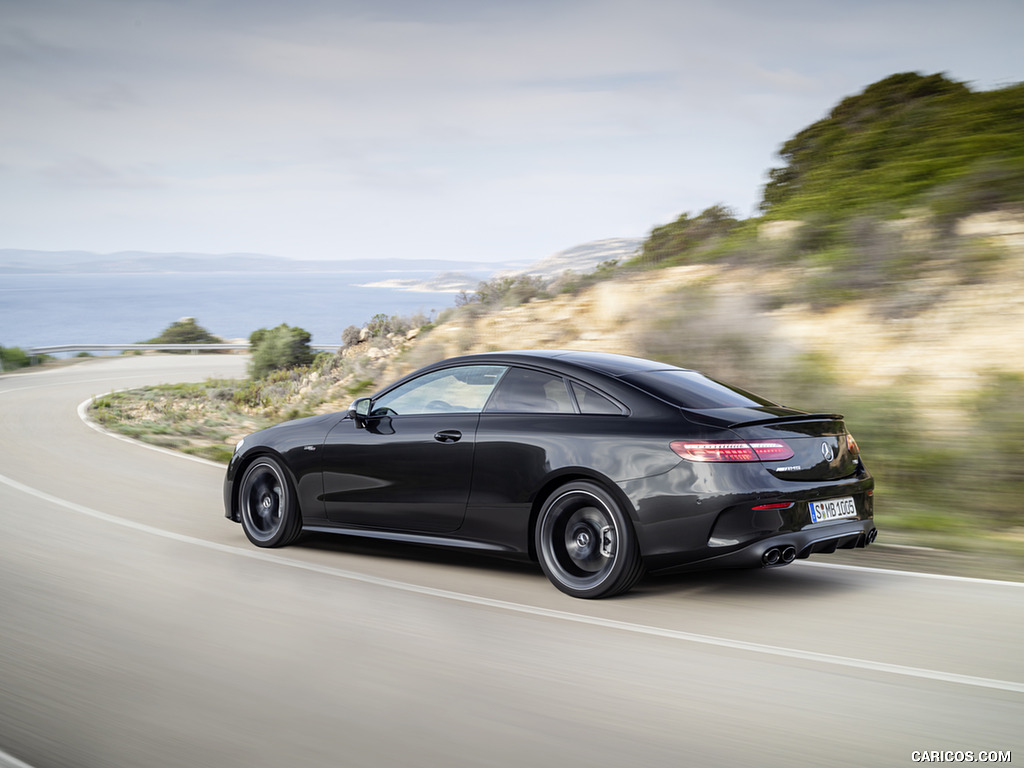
<point>139,628</point>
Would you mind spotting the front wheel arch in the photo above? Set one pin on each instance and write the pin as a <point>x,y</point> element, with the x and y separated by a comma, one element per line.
<point>244,463</point>
<point>266,503</point>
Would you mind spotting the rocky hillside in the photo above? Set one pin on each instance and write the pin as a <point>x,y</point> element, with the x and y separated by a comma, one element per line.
<point>962,331</point>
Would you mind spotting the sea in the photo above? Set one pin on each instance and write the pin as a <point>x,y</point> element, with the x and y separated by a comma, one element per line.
<point>39,310</point>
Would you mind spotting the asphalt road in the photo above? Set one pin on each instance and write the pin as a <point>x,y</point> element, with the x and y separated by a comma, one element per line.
<point>138,627</point>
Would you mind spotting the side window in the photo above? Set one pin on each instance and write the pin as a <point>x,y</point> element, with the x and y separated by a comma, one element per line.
<point>593,402</point>
<point>526,391</point>
<point>451,390</point>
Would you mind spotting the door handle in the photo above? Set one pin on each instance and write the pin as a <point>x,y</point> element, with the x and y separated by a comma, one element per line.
<point>448,436</point>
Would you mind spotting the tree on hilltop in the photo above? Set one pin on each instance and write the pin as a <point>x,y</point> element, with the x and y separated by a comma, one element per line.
<point>909,139</point>
<point>185,331</point>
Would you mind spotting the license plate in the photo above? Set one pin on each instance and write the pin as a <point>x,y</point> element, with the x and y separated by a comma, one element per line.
<point>832,509</point>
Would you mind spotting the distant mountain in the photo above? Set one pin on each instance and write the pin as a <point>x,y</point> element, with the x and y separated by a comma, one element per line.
<point>14,261</point>
<point>46,262</point>
<point>442,282</point>
<point>582,258</point>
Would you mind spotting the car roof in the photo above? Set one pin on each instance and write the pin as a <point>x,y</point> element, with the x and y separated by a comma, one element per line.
<point>606,363</point>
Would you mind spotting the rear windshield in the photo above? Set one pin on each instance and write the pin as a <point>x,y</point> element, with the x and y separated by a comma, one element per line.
<point>689,389</point>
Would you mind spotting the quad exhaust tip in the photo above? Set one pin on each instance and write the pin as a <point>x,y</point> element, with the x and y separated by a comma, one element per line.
<point>779,555</point>
<point>786,554</point>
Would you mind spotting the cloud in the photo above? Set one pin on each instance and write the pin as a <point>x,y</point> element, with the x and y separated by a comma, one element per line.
<point>273,127</point>
<point>109,97</point>
<point>23,48</point>
<point>91,173</point>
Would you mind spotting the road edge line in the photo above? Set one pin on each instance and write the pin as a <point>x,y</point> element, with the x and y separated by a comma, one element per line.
<point>83,414</point>
<point>8,760</point>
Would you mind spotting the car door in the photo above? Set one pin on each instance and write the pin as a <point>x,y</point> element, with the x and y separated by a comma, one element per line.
<point>408,466</point>
<point>536,422</point>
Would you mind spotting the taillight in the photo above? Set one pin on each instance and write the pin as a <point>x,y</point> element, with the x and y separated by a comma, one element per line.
<point>772,450</point>
<point>851,445</point>
<point>703,450</point>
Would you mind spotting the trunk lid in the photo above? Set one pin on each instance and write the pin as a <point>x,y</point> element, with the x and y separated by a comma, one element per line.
<point>819,442</point>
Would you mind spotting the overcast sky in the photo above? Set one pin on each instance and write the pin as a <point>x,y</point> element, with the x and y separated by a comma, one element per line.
<point>450,129</point>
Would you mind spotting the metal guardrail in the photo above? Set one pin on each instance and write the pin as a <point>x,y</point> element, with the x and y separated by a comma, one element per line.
<point>194,348</point>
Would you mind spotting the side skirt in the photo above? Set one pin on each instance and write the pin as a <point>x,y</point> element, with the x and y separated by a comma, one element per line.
<point>409,538</point>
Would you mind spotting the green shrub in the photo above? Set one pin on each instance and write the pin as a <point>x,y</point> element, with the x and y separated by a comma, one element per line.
<point>359,387</point>
<point>687,239</point>
<point>381,325</point>
<point>219,453</point>
<point>12,358</point>
<point>279,348</point>
<point>350,335</point>
<point>993,474</point>
<point>503,292</point>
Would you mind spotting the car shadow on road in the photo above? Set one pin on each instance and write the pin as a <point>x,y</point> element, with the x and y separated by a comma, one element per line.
<point>791,581</point>
<point>795,580</point>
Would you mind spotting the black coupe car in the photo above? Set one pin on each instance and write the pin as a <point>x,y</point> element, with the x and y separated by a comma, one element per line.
<point>599,466</point>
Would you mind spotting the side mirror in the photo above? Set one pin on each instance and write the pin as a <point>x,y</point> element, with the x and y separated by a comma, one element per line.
<point>359,411</point>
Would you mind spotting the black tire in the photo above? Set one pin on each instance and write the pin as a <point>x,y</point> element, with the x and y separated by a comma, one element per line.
<point>586,543</point>
<point>267,505</point>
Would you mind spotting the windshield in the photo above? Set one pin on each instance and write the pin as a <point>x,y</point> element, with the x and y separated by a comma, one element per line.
<point>690,389</point>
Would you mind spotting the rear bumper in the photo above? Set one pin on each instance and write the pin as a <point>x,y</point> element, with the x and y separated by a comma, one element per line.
<point>729,516</point>
<point>782,549</point>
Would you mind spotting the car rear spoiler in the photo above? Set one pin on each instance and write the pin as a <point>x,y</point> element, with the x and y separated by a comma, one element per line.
<point>786,419</point>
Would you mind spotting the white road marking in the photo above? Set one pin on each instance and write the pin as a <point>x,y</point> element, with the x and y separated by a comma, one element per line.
<point>918,574</point>
<point>10,761</point>
<point>721,642</point>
